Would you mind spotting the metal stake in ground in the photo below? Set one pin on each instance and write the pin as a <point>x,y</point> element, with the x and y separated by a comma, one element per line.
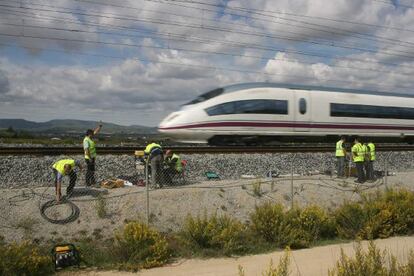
<point>147,188</point>
<point>291,179</point>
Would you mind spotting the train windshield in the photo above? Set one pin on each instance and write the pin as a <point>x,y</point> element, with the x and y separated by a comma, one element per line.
<point>207,96</point>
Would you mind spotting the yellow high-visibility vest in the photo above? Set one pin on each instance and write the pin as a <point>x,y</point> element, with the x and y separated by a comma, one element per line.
<point>339,149</point>
<point>92,149</point>
<point>359,152</point>
<point>150,147</point>
<point>372,151</point>
<point>60,165</point>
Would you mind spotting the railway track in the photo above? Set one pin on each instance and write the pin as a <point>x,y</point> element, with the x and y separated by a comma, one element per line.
<point>43,151</point>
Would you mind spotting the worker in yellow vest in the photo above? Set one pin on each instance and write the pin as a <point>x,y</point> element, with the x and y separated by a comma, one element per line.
<point>340,154</point>
<point>90,154</point>
<point>366,158</point>
<point>174,165</point>
<point>61,168</point>
<point>372,157</point>
<point>358,158</point>
<point>155,158</point>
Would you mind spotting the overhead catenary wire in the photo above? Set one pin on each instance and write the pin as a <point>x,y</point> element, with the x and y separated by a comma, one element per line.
<point>171,2</point>
<point>232,43</point>
<point>329,29</point>
<point>265,58</point>
<point>200,66</point>
<point>214,28</point>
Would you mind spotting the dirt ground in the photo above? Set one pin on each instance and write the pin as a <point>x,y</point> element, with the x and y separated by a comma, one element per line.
<point>307,262</point>
<point>169,206</point>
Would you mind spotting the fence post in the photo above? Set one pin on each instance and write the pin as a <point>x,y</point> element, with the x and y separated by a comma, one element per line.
<point>147,188</point>
<point>386,169</point>
<point>291,180</point>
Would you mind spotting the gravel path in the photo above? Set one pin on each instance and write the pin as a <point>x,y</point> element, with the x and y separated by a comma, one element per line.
<point>310,262</point>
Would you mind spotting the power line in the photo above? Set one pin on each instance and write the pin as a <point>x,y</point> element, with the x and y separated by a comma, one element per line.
<point>394,5</point>
<point>341,31</point>
<point>172,36</point>
<point>198,66</point>
<point>328,43</point>
<point>226,30</point>
<point>194,51</point>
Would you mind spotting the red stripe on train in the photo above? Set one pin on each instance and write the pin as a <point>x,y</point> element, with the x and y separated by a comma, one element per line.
<point>294,125</point>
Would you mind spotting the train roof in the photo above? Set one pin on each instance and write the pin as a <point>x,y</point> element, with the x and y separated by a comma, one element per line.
<point>242,86</point>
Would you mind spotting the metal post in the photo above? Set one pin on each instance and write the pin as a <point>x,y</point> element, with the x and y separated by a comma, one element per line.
<point>147,188</point>
<point>291,180</point>
<point>386,169</point>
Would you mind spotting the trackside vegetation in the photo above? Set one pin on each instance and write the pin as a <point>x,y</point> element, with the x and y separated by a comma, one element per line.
<point>271,226</point>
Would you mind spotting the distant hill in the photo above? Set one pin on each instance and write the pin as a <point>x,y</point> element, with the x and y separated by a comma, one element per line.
<point>72,126</point>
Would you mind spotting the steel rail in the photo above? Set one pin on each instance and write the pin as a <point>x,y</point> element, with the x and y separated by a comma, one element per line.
<point>129,150</point>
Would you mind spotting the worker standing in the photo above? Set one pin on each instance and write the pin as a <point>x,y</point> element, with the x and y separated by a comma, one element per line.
<point>61,168</point>
<point>155,158</point>
<point>358,158</point>
<point>372,158</point>
<point>90,154</point>
<point>340,157</point>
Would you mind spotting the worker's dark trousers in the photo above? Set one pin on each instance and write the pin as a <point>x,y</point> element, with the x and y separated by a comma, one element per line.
<point>360,171</point>
<point>72,181</point>
<point>370,173</point>
<point>340,166</point>
<point>90,172</point>
<point>156,169</point>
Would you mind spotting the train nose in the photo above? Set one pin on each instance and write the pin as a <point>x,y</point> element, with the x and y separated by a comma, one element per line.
<point>168,122</point>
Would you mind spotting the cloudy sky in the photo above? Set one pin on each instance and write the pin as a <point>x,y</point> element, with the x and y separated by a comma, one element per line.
<point>133,62</point>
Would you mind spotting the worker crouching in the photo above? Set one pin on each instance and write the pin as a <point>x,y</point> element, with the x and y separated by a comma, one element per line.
<point>155,158</point>
<point>173,165</point>
<point>63,168</point>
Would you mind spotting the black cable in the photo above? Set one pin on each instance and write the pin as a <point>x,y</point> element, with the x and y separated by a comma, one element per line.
<point>72,217</point>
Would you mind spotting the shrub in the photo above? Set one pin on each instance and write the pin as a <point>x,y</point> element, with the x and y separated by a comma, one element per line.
<point>372,263</point>
<point>282,269</point>
<point>139,246</point>
<point>378,215</point>
<point>296,228</point>
<point>316,222</point>
<point>221,233</point>
<point>24,259</point>
<point>268,221</point>
<point>350,220</point>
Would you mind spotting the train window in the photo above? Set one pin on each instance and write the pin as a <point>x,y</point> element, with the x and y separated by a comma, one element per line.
<point>249,107</point>
<point>207,96</point>
<point>302,106</point>
<point>371,111</point>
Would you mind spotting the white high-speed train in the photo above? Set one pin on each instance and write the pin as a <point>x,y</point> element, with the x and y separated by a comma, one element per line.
<point>256,113</point>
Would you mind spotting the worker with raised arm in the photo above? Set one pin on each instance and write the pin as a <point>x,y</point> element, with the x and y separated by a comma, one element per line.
<point>90,154</point>
<point>61,168</point>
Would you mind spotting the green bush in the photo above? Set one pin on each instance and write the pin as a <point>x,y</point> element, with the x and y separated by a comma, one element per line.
<point>296,228</point>
<point>24,259</point>
<point>378,215</point>
<point>350,219</point>
<point>221,233</point>
<point>372,263</point>
<point>139,246</point>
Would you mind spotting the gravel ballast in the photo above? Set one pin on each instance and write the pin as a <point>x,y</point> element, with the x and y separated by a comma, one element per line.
<point>32,171</point>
